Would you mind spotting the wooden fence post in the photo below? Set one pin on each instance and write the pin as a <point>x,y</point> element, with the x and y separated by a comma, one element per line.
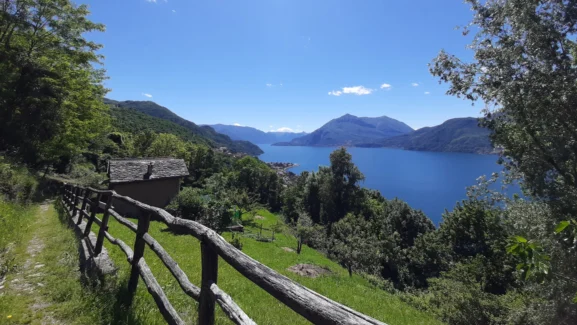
<point>93,210</point>
<point>75,207</point>
<point>209,276</point>
<point>139,245</point>
<point>83,208</point>
<point>103,227</point>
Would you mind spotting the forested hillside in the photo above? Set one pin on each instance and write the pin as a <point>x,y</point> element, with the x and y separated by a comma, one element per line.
<point>455,135</point>
<point>152,109</point>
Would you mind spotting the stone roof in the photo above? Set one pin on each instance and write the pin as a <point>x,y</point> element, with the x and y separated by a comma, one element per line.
<point>134,170</point>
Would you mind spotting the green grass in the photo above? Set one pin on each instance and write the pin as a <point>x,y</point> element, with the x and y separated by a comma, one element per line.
<point>73,301</point>
<point>355,292</point>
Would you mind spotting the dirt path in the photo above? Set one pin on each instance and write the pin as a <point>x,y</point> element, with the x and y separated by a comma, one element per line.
<point>26,282</point>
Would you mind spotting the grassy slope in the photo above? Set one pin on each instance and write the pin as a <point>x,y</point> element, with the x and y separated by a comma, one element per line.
<point>62,298</point>
<point>263,308</point>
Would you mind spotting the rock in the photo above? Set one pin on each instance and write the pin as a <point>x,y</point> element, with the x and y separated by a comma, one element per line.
<point>288,249</point>
<point>309,270</point>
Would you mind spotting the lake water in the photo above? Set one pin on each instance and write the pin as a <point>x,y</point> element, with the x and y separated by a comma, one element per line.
<point>429,181</point>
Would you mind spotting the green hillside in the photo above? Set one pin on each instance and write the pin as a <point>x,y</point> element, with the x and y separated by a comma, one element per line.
<point>130,120</point>
<point>454,135</point>
<point>355,292</point>
<point>152,109</point>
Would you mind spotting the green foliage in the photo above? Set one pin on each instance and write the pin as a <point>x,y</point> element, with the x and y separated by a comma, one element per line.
<point>51,94</point>
<point>535,263</point>
<point>353,244</point>
<point>168,145</point>
<point>16,183</point>
<point>213,212</point>
<point>236,242</point>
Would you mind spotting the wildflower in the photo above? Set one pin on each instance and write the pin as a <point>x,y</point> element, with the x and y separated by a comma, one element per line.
<point>9,316</point>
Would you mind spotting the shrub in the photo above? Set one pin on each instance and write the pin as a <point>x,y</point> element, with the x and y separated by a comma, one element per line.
<point>236,242</point>
<point>193,204</point>
<point>16,183</point>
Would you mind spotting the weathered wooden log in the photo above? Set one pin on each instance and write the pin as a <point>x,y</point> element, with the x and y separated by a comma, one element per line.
<point>181,277</point>
<point>125,248</point>
<point>139,245</point>
<point>76,198</point>
<point>103,228</point>
<point>209,277</point>
<point>93,209</point>
<point>230,308</point>
<point>168,312</point>
<point>129,224</point>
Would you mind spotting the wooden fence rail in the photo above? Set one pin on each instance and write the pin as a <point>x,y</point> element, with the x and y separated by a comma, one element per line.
<point>311,305</point>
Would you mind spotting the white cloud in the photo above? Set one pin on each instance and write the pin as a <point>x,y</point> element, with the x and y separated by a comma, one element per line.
<point>414,84</point>
<point>356,90</point>
<point>237,124</point>
<point>269,85</point>
<point>147,95</point>
<point>284,129</point>
<point>427,92</point>
<point>386,86</point>
<point>153,1</point>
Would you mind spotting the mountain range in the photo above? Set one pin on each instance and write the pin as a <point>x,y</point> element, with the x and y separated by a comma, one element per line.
<point>454,135</point>
<point>141,115</point>
<point>349,130</point>
<point>247,133</point>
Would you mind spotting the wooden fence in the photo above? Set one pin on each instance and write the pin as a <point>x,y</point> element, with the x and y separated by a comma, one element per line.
<point>86,202</point>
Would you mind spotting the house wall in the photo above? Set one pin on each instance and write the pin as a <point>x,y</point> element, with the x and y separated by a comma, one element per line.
<point>157,193</point>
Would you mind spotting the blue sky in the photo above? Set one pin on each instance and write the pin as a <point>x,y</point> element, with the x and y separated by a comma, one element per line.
<point>275,64</point>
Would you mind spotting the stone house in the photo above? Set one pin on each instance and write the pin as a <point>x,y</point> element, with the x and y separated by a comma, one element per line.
<point>154,181</point>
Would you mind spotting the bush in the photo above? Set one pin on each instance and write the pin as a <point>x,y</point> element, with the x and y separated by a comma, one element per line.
<point>17,184</point>
<point>236,242</point>
<point>193,204</point>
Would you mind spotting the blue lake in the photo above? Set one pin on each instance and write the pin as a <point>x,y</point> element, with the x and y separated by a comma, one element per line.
<point>429,181</point>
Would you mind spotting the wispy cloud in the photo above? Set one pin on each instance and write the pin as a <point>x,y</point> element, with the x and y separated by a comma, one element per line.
<point>237,124</point>
<point>427,92</point>
<point>152,1</point>
<point>284,129</point>
<point>356,90</point>
<point>173,11</point>
<point>386,86</point>
<point>147,95</point>
<point>269,85</point>
<point>414,84</point>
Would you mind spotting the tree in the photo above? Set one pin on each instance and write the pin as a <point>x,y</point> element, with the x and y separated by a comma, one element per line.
<point>50,91</point>
<point>343,187</point>
<point>168,145</point>
<point>524,70</point>
<point>353,244</point>
<point>304,230</point>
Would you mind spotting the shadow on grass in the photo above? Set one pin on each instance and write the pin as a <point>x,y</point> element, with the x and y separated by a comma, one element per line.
<point>108,292</point>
